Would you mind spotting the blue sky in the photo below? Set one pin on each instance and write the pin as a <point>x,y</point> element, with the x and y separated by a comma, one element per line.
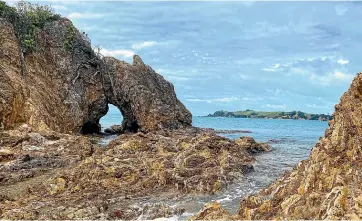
<point>234,55</point>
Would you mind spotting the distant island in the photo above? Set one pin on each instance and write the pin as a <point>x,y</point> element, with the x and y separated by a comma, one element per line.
<point>296,115</point>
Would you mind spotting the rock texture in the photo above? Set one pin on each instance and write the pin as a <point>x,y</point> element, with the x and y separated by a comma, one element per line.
<point>66,87</point>
<point>328,184</point>
<point>28,157</point>
<point>147,101</point>
<point>213,211</point>
<point>57,89</point>
<point>87,181</point>
<point>251,146</point>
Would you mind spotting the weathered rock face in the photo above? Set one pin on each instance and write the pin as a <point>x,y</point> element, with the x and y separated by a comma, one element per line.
<point>56,89</point>
<point>30,158</point>
<point>104,182</point>
<point>327,185</point>
<point>147,101</point>
<point>64,86</point>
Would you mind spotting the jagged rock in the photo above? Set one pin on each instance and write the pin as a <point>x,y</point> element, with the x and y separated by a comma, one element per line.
<point>147,101</point>
<point>212,211</point>
<point>115,129</point>
<point>178,162</point>
<point>58,89</point>
<point>160,210</point>
<point>67,90</point>
<point>27,155</point>
<point>328,184</point>
<point>250,145</point>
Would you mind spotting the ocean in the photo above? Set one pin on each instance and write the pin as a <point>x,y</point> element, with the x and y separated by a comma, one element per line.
<point>293,141</point>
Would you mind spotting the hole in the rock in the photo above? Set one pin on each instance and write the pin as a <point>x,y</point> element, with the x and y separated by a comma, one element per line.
<point>90,128</point>
<point>113,117</point>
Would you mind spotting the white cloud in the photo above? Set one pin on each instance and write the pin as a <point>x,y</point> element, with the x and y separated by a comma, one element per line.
<point>12,2</point>
<point>269,69</point>
<point>59,7</point>
<point>282,106</point>
<point>272,69</point>
<point>174,75</point>
<point>316,106</point>
<point>145,44</point>
<point>77,15</point>
<point>342,61</point>
<point>276,66</point>
<point>252,99</point>
<point>177,78</point>
<point>114,53</point>
<point>215,100</point>
<point>343,76</point>
<point>340,9</point>
<point>326,80</point>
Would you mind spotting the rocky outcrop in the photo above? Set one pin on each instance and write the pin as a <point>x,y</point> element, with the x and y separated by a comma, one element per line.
<point>147,101</point>
<point>66,87</point>
<point>328,184</point>
<point>57,88</point>
<point>29,158</point>
<point>115,129</point>
<point>251,146</point>
<point>213,211</point>
<point>94,182</point>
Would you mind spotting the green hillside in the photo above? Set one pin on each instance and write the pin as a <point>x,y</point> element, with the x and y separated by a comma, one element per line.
<point>297,115</point>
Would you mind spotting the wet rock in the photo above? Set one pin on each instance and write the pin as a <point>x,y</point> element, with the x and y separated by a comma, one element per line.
<point>151,212</point>
<point>26,158</point>
<point>328,184</point>
<point>24,155</point>
<point>212,211</point>
<point>132,166</point>
<point>115,129</point>
<point>250,145</point>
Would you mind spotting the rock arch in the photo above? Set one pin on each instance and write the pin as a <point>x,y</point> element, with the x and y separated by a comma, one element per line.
<point>146,100</point>
<point>68,91</point>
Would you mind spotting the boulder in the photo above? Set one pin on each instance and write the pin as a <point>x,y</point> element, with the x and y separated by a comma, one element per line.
<point>115,129</point>
<point>212,211</point>
<point>251,146</point>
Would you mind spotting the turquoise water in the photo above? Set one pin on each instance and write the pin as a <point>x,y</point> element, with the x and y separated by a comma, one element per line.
<point>294,141</point>
<point>113,117</point>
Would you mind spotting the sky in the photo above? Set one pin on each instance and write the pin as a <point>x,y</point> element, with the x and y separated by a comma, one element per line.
<point>266,56</point>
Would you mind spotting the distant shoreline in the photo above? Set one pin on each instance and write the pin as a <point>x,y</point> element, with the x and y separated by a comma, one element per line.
<point>283,115</point>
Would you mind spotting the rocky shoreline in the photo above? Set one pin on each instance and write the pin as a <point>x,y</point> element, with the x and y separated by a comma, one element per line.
<point>326,186</point>
<point>57,176</point>
<point>53,97</point>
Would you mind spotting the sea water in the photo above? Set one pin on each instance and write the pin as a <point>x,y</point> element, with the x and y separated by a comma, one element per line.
<point>292,141</point>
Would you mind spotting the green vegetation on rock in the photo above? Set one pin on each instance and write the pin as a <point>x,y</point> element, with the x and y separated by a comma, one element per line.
<point>27,19</point>
<point>70,38</point>
<point>297,115</point>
